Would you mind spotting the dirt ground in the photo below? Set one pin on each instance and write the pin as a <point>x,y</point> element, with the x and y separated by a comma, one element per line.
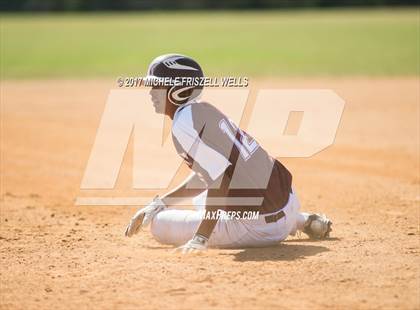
<point>58,255</point>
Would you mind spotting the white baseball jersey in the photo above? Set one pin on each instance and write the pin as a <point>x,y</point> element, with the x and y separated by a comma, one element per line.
<point>217,150</point>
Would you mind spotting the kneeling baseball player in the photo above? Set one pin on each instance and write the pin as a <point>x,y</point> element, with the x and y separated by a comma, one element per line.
<point>233,177</point>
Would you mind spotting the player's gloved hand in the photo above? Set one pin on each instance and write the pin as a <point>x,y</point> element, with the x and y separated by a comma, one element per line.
<point>197,244</point>
<point>144,216</point>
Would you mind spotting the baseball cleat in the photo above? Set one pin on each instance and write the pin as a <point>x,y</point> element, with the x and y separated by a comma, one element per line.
<point>144,216</point>
<point>317,226</point>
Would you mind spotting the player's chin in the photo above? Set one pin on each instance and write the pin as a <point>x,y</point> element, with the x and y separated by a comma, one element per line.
<point>158,109</point>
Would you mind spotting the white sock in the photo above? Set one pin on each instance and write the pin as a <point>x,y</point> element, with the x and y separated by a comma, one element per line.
<point>301,219</point>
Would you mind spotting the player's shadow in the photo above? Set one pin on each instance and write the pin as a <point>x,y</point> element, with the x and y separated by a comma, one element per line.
<point>311,240</point>
<point>281,252</point>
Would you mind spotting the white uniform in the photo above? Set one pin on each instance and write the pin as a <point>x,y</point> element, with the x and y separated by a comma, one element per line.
<point>218,151</point>
<point>176,227</point>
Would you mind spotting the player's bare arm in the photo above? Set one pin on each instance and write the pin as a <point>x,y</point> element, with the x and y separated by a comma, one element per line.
<point>200,239</point>
<point>189,188</point>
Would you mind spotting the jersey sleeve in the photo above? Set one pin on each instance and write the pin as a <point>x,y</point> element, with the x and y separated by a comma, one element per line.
<point>205,160</point>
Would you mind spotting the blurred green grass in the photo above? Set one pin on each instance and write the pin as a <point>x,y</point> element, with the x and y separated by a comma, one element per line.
<point>272,43</point>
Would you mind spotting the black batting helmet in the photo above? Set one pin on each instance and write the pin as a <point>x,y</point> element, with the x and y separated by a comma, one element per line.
<point>180,68</point>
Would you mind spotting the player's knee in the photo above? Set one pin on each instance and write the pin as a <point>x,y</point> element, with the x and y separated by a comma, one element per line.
<point>157,229</point>
<point>162,227</point>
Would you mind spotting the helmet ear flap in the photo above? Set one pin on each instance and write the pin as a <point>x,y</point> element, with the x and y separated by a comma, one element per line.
<point>178,95</point>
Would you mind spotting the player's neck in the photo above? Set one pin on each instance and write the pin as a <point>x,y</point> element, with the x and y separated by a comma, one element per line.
<point>170,111</point>
<point>171,114</point>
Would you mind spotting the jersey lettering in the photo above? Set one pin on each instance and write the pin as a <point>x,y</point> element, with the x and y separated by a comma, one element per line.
<point>246,145</point>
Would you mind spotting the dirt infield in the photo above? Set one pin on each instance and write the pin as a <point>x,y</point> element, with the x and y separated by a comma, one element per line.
<point>57,255</point>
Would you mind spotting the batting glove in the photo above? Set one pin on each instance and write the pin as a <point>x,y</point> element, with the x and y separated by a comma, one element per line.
<point>144,216</point>
<point>197,244</point>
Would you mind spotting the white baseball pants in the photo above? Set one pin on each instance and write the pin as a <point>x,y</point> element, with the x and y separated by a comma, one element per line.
<point>176,227</point>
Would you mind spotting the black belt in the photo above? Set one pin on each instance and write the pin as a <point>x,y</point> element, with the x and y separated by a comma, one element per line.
<point>274,217</point>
